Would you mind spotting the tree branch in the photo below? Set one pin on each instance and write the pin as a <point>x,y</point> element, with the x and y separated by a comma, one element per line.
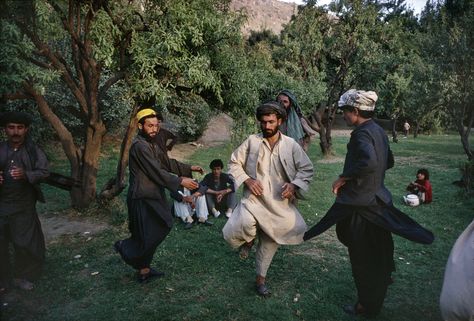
<point>46,52</point>
<point>110,82</point>
<point>15,96</point>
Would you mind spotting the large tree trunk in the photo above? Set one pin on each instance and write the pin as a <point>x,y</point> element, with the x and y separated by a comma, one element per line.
<point>116,185</point>
<point>85,195</point>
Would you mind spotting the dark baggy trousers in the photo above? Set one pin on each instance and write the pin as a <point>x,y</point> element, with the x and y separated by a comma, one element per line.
<point>371,255</point>
<point>147,230</point>
<point>23,231</point>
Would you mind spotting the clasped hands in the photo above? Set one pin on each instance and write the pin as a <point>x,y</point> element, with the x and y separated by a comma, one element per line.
<point>191,199</point>
<point>256,188</point>
<point>15,172</point>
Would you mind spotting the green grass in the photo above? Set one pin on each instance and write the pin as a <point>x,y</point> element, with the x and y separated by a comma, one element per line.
<point>205,279</point>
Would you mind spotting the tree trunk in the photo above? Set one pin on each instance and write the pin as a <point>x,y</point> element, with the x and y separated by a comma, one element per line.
<point>83,196</point>
<point>417,128</point>
<point>394,130</point>
<point>464,133</point>
<point>324,144</point>
<point>117,184</point>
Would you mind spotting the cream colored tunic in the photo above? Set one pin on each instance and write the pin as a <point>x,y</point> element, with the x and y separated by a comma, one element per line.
<point>277,217</point>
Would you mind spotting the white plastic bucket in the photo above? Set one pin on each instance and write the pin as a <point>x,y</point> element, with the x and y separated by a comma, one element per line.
<point>412,200</point>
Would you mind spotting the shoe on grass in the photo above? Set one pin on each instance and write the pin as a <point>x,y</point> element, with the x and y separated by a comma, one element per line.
<point>143,278</point>
<point>263,290</point>
<point>215,212</point>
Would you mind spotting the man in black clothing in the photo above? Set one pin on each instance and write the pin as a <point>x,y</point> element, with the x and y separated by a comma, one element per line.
<point>149,213</point>
<point>363,210</point>
<point>22,167</point>
<point>220,193</point>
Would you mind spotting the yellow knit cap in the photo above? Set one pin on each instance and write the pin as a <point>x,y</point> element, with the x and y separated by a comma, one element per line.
<point>145,112</point>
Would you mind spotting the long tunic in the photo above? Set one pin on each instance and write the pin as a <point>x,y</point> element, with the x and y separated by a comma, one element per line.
<point>19,223</point>
<point>365,216</point>
<point>149,213</point>
<point>277,217</point>
<point>148,179</point>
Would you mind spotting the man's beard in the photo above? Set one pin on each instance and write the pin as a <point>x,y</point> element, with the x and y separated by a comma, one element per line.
<point>270,133</point>
<point>147,135</point>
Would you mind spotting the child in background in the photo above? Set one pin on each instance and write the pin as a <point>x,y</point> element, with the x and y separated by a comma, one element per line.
<point>422,186</point>
<point>220,194</point>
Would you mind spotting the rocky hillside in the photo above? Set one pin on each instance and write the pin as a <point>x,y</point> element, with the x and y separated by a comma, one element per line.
<point>265,14</point>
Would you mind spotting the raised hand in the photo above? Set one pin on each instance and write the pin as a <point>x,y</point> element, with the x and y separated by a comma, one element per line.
<point>198,169</point>
<point>189,183</point>
<point>338,183</point>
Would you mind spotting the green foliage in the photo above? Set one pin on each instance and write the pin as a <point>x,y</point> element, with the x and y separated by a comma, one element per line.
<point>189,114</point>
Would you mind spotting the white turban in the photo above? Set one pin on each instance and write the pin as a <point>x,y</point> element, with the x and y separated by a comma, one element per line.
<point>360,99</point>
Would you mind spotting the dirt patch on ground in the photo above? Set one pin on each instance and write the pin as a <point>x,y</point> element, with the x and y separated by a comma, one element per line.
<point>217,133</point>
<point>331,160</point>
<point>182,152</point>
<point>55,226</point>
<point>341,132</point>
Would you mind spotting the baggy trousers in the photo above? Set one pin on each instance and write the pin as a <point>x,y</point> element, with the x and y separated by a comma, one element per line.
<point>23,230</point>
<point>147,230</point>
<point>371,255</point>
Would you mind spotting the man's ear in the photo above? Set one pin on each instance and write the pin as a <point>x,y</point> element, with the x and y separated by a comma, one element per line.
<point>140,126</point>
<point>279,121</point>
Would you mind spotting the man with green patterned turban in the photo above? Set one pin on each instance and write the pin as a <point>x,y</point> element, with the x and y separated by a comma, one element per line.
<point>293,126</point>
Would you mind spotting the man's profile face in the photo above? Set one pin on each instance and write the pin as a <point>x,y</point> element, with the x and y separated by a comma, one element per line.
<point>16,133</point>
<point>216,171</point>
<point>269,124</point>
<point>150,127</point>
<point>284,100</point>
<point>350,116</point>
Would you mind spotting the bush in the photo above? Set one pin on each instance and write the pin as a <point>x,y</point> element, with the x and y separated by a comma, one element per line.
<point>188,115</point>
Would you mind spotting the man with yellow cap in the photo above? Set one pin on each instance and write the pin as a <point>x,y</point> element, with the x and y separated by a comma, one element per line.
<point>150,218</point>
<point>363,210</point>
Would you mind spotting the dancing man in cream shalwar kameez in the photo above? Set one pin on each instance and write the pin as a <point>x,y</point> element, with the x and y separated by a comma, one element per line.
<point>274,170</point>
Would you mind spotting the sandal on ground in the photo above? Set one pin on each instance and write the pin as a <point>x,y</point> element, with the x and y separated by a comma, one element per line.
<point>263,291</point>
<point>354,310</point>
<point>143,278</point>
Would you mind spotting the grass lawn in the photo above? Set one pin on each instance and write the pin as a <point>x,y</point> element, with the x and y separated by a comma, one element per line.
<point>205,279</point>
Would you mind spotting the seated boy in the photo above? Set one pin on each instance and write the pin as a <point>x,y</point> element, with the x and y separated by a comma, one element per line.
<point>220,194</point>
<point>186,203</point>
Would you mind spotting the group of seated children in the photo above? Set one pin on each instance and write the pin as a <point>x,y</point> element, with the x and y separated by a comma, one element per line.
<point>420,191</point>
<point>216,192</point>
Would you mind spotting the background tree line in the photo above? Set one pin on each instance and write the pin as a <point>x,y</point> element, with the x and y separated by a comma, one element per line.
<point>84,67</point>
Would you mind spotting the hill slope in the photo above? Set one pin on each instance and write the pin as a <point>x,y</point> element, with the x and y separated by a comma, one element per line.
<point>265,14</point>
